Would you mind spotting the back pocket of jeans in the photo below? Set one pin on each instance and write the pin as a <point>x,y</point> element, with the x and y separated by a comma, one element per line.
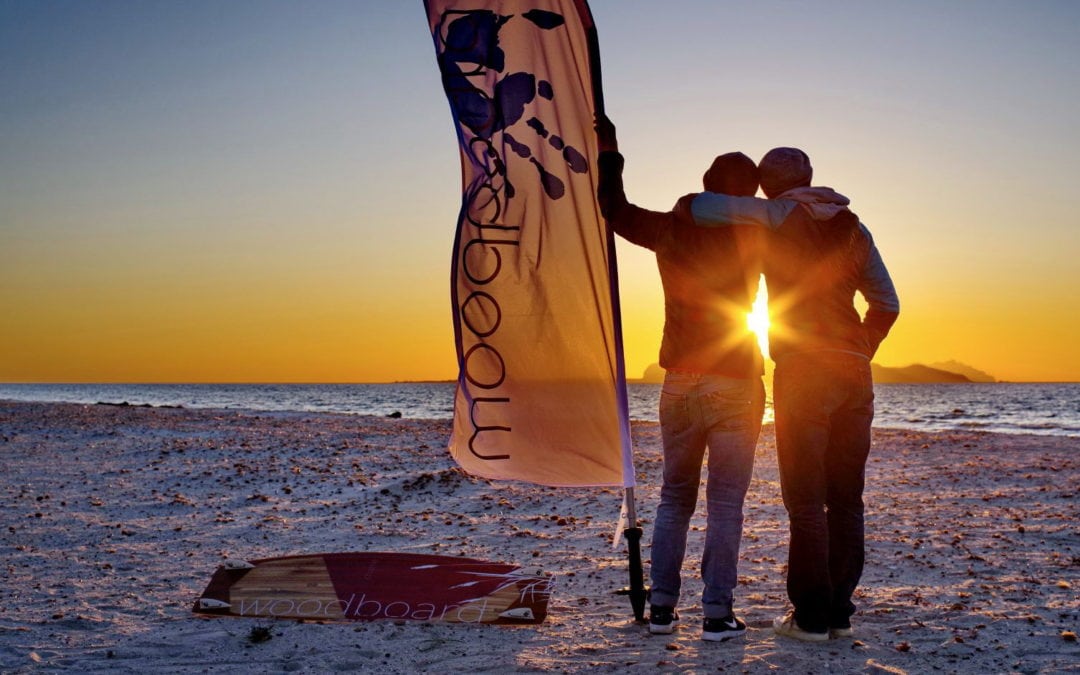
<point>727,409</point>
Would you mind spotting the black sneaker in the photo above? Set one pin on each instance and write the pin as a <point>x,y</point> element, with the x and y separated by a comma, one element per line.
<point>718,630</point>
<point>662,619</point>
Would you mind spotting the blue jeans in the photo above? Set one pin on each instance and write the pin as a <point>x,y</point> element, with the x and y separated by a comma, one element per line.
<point>698,410</point>
<point>824,408</point>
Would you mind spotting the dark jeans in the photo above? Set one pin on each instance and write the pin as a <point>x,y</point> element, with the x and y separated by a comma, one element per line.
<point>824,406</point>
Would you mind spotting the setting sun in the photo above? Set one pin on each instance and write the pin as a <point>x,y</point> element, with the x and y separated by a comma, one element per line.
<point>757,320</point>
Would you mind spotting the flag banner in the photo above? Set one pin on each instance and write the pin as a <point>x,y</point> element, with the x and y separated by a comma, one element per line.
<point>541,392</point>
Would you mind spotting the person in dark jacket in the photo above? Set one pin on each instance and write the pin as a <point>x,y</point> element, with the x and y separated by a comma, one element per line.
<point>712,394</point>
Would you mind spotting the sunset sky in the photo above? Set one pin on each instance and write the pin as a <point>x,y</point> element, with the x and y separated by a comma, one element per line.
<point>266,191</point>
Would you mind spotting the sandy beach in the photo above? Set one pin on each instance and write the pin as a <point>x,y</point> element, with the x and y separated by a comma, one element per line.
<point>114,519</point>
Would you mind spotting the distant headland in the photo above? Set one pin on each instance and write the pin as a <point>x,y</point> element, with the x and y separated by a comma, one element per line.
<point>944,372</point>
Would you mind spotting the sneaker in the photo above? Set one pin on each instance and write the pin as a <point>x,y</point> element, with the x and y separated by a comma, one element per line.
<point>786,626</point>
<point>841,631</point>
<point>718,630</point>
<point>662,619</point>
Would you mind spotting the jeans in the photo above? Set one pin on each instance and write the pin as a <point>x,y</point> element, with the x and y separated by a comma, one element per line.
<point>824,408</point>
<point>699,410</point>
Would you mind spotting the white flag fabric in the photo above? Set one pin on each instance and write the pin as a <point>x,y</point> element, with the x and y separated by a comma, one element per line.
<point>541,394</point>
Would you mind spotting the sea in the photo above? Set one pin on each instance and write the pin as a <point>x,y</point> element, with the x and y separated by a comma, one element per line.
<point>1012,408</point>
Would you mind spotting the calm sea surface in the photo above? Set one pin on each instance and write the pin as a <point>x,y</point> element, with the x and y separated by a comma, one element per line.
<point>1052,409</point>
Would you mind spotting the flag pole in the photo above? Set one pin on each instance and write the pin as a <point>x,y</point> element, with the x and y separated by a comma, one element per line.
<point>633,531</point>
<point>636,591</point>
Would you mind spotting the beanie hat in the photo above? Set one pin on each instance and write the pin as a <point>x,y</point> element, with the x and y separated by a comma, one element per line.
<point>783,169</point>
<point>732,173</point>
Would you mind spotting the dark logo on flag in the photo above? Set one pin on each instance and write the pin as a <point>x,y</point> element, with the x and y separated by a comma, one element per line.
<point>468,51</point>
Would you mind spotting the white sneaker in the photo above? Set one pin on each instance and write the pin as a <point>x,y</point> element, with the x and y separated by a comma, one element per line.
<point>786,626</point>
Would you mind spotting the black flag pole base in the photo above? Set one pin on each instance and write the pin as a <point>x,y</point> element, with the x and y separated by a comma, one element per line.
<point>638,600</point>
<point>636,590</point>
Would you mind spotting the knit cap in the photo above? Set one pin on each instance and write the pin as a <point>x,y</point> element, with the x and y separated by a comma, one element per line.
<point>732,173</point>
<point>783,169</point>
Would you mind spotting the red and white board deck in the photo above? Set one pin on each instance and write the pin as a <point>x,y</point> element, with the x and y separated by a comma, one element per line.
<point>369,586</point>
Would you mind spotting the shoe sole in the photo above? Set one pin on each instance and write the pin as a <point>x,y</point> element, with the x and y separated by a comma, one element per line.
<point>841,633</point>
<point>661,630</point>
<point>720,637</point>
<point>803,635</point>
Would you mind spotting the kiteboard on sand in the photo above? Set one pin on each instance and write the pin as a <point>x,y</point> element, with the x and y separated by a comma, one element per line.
<point>371,586</point>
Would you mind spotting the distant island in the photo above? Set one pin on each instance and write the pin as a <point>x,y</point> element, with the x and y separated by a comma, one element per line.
<point>973,374</point>
<point>654,374</point>
<point>916,374</point>
<point>946,372</point>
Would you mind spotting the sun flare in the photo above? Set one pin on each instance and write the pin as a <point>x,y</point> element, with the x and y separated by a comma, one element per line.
<point>757,320</point>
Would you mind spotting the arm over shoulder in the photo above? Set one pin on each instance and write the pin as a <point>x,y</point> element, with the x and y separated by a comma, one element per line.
<point>711,209</point>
